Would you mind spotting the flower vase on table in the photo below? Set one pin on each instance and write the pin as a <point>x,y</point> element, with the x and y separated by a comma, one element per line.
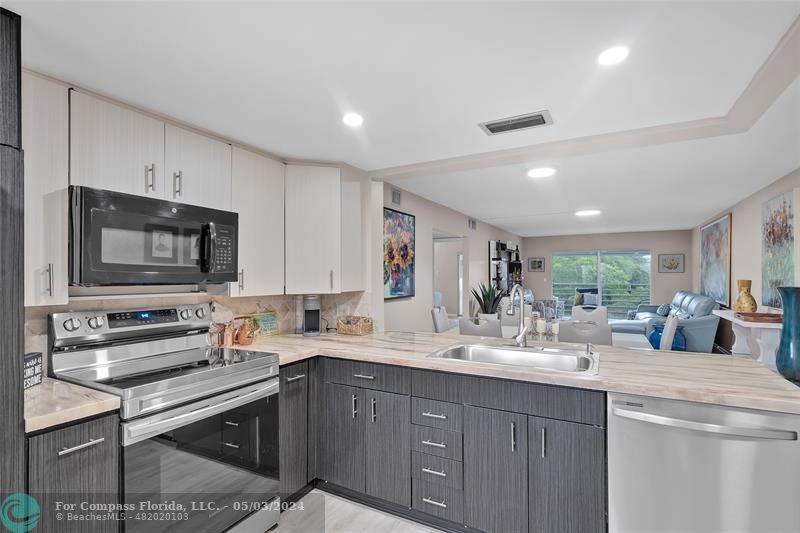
<point>787,358</point>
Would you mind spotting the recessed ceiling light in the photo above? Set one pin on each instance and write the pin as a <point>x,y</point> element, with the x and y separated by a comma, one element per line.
<point>353,120</point>
<point>612,56</point>
<point>541,172</point>
<point>587,212</point>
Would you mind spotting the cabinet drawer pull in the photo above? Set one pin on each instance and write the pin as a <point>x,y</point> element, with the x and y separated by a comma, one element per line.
<point>232,423</point>
<point>232,445</point>
<point>435,415</point>
<point>513,436</point>
<point>544,442</point>
<point>374,407</point>
<point>295,378</point>
<point>177,182</point>
<point>434,502</point>
<point>50,279</point>
<point>434,444</point>
<point>363,376</point>
<point>355,406</point>
<point>149,178</point>
<point>434,472</point>
<point>92,442</point>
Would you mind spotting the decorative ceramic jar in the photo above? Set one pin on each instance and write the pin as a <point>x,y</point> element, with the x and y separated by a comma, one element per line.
<point>745,303</point>
<point>787,358</point>
<point>678,342</point>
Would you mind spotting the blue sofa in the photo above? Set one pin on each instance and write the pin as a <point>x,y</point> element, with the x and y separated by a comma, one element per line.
<point>695,317</point>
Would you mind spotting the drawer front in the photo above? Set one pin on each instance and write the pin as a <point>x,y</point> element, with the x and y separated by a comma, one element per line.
<point>437,470</point>
<point>442,415</point>
<point>438,500</point>
<point>436,441</point>
<point>368,375</point>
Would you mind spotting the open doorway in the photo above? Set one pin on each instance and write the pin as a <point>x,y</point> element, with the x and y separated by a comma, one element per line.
<point>448,272</point>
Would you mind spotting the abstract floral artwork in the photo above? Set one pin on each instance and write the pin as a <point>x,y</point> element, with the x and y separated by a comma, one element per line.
<point>398,254</point>
<point>715,260</point>
<point>777,247</point>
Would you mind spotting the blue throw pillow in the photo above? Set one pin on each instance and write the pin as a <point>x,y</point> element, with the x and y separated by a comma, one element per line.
<point>663,309</point>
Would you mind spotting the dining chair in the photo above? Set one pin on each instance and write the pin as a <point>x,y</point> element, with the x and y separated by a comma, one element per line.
<point>584,332</point>
<point>484,328</point>
<point>590,313</point>
<point>668,335</point>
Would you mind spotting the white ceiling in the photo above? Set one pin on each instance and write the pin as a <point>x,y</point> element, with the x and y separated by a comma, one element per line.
<point>279,76</point>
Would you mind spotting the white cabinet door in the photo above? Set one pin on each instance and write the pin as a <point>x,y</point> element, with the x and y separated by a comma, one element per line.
<point>258,198</point>
<point>352,237</point>
<point>114,148</point>
<point>45,140</point>
<point>198,169</point>
<point>313,230</point>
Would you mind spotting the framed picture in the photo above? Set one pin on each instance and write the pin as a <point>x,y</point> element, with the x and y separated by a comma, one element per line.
<point>160,244</point>
<point>398,254</point>
<point>715,260</point>
<point>191,246</point>
<point>671,263</point>
<point>536,264</point>
<point>777,247</point>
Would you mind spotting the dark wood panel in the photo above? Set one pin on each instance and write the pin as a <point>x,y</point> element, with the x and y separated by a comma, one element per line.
<point>315,411</point>
<point>10,80</point>
<point>495,470</point>
<point>436,441</point>
<point>89,475</point>
<point>388,446</point>
<point>368,375</point>
<point>437,470</point>
<point>438,500</point>
<point>340,449</point>
<point>437,386</point>
<point>293,428</point>
<point>433,413</point>
<point>12,430</point>
<point>567,484</point>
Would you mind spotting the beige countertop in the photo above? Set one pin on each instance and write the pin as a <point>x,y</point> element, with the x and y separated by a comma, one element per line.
<point>55,402</point>
<point>706,378</point>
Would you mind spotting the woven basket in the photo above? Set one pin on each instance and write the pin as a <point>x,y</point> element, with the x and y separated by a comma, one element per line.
<point>354,325</point>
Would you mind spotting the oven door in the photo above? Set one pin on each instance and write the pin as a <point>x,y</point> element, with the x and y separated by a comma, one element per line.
<point>123,239</point>
<point>203,466</point>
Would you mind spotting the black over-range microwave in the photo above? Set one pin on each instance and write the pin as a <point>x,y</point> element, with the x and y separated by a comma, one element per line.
<point>123,239</point>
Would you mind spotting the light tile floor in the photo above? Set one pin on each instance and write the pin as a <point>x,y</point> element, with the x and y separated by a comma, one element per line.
<point>325,513</point>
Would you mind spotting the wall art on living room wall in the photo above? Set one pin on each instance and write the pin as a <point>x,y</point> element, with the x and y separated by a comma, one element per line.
<point>398,254</point>
<point>715,260</point>
<point>671,263</point>
<point>777,247</point>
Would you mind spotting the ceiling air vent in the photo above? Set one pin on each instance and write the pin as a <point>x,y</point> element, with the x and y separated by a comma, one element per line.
<point>521,122</point>
<point>472,223</point>
<point>397,197</point>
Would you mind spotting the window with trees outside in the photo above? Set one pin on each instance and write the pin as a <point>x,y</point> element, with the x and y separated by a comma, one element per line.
<point>622,279</point>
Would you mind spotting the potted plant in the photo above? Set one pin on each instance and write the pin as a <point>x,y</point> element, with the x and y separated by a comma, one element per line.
<point>488,299</point>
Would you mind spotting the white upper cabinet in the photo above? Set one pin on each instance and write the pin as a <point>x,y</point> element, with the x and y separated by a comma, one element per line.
<point>198,169</point>
<point>257,195</point>
<point>353,236</point>
<point>115,148</point>
<point>313,230</point>
<point>45,140</point>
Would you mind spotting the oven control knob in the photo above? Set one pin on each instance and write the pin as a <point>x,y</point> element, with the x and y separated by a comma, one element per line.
<point>96,322</point>
<point>71,324</point>
<point>201,313</point>
<point>186,314</point>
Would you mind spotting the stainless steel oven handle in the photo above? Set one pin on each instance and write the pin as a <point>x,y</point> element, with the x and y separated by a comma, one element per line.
<point>136,431</point>
<point>752,433</point>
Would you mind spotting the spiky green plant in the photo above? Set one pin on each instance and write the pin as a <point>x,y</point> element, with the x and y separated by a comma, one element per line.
<point>488,298</point>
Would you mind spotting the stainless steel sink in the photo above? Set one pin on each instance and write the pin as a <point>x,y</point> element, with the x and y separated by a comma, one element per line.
<point>577,361</point>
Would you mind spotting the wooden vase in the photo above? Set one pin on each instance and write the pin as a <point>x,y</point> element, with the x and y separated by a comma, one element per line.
<point>745,303</point>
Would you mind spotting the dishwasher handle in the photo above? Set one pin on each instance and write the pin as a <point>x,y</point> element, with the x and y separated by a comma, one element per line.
<point>752,433</point>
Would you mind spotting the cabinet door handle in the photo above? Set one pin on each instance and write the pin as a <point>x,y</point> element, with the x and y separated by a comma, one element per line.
<point>50,279</point>
<point>241,280</point>
<point>295,378</point>
<point>434,444</point>
<point>177,182</point>
<point>544,442</point>
<point>374,407</point>
<point>434,502</point>
<point>363,376</point>
<point>355,406</point>
<point>150,178</point>
<point>232,423</point>
<point>232,445</point>
<point>435,415</point>
<point>92,442</point>
<point>434,472</point>
<point>513,436</point>
<point>331,279</point>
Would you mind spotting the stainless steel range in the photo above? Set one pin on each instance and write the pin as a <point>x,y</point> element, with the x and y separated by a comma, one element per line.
<point>199,424</point>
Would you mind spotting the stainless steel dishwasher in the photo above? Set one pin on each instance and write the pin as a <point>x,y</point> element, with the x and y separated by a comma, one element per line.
<point>685,467</point>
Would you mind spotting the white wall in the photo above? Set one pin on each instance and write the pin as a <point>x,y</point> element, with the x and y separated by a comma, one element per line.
<point>445,272</point>
<point>663,286</point>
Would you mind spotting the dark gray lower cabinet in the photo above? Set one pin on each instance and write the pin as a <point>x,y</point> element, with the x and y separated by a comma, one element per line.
<point>293,401</point>
<point>388,447</point>
<point>341,443</point>
<point>76,464</point>
<point>567,484</point>
<point>495,470</point>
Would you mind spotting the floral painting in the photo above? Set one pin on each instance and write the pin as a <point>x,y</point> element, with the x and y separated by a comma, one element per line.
<point>398,254</point>
<point>777,247</point>
<point>715,260</point>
